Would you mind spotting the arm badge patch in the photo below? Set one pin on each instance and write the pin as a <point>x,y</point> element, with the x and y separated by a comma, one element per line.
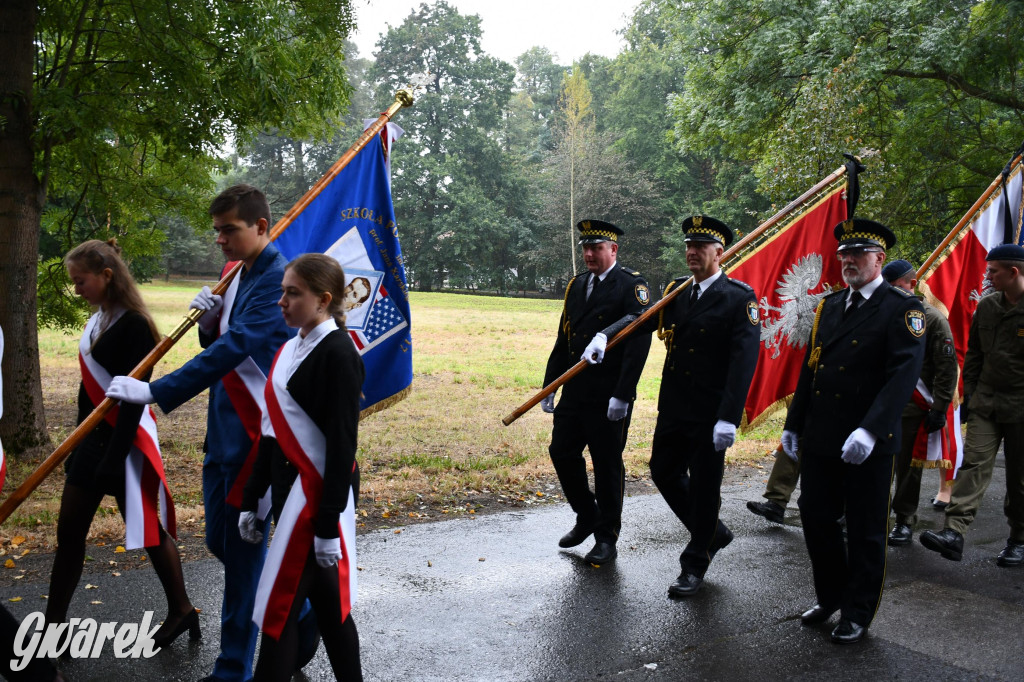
<point>753,313</point>
<point>643,295</point>
<point>915,322</point>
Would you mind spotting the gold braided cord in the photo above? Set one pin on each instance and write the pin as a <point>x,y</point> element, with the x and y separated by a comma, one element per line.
<point>812,361</point>
<point>565,302</point>
<point>665,334</point>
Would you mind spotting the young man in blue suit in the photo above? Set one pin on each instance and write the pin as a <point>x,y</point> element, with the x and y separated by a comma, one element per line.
<point>240,333</point>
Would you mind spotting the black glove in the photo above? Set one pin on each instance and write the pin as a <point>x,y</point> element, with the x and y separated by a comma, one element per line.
<point>963,409</point>
<point>934,421</point>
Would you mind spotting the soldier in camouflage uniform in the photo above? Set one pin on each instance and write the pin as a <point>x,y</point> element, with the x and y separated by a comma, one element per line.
<point>994,394</point>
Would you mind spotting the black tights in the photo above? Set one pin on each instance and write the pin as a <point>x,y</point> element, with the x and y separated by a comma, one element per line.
<point>278,656</point>
<point>77,508</point>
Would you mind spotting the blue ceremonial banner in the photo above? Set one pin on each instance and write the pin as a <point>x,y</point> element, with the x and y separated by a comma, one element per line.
<point>353,220</point>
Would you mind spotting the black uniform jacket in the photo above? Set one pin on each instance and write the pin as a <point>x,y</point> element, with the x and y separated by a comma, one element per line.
<point>623,292</point>
<point>867,370</point>
<point>711,351</point>
<point>326,385</point>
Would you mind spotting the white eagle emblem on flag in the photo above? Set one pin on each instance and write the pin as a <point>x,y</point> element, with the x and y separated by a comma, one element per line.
<point>792,320</point>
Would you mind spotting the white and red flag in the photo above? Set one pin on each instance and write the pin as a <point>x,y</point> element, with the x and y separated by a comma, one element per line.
<point>955,281</point>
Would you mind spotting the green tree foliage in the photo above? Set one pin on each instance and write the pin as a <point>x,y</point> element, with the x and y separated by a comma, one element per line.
<point>452,185</point>
<point>114,112</point>
<point>930,89</point>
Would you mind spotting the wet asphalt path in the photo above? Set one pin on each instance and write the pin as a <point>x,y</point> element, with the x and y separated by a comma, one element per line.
<point>493,598</point>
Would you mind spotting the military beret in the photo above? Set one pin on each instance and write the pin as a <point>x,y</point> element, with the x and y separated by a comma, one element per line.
<point>595,231</point>
<point>857,233</point>
<point>702,228</point>
<point>1006,252</point>
<point>897,269</point>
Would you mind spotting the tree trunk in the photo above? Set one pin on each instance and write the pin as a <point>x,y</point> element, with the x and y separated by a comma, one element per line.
<point>23,427</point>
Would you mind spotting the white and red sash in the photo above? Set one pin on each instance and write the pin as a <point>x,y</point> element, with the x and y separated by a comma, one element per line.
<point>145,483</point>
<point>304,446</point>
<point>244,386</point>
<point>943,449</point>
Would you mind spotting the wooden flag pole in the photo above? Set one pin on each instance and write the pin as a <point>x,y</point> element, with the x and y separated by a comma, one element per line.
<point>657,307</point>
<point>403,98</point>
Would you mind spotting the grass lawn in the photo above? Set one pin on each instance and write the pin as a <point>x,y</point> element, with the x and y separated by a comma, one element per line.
<point>443,450</point>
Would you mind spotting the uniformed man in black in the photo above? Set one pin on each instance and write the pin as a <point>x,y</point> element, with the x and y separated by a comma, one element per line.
<point>594,410</point>
<point>711,333</point>
<point>862,364</point>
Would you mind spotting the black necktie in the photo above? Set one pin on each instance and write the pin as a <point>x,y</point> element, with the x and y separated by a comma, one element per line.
<point>595,280</point>
<point>694,293</point>
<point>855,300</point>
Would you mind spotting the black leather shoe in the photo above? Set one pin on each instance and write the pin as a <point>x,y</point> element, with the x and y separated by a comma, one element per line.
<point>848,632</point>
<point>773,511</point>
<point>602,553</point>
<point>817,614</point>
<point>946,542</point>
<point>721,541</point>
<point>686,585</point>
<point>900,535</point>
<point>1012,554</point>
<point>939,504</point>
<point>579,533</point>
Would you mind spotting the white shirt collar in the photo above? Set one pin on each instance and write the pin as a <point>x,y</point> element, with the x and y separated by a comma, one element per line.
<point>867,289</point>
<point>605,273</point>
<point>304,346</point>
<point>708,282</point>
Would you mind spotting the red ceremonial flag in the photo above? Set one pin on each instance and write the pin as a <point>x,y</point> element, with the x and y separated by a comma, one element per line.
<point>955,281</point>
<point>790,272</point>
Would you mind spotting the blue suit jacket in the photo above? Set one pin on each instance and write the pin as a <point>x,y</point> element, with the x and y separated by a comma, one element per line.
<point>256,329</point>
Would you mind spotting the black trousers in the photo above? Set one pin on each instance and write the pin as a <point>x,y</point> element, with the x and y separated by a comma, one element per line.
<point>848,574</point>
<point>688,472</point>
<point>575,428</point>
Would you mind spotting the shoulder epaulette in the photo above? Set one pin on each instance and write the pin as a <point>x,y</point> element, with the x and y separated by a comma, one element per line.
<point>902,292</point>
<point>836,293</point>
<point>634,273</point>
<point>740,283</point>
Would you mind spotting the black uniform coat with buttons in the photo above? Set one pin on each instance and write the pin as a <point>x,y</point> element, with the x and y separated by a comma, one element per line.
<point>866,373</point>
<point>623,292</point>
<point>711,354</point>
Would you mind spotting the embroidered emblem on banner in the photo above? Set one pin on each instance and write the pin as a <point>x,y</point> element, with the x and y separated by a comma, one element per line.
<point>799,290</point>
<point>753,313</point>
<point>915,322</point>
<point>642,294</point>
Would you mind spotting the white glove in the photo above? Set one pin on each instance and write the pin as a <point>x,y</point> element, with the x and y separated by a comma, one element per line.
<point>129,390</point>
<point>789,439</point>
<point>594,352</point>
<point>617,409</point>
<point>328,551</point>
<point>858,446</point>
<point>247,527</point>
<point>548,403</point>
<point>724,436</point>
<point>212,304</point>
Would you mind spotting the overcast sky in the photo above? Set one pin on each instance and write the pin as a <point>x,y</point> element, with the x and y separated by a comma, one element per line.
<point>569,28</point>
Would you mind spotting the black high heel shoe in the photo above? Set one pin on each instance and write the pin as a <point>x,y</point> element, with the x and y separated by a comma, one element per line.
<point>189,622</point>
